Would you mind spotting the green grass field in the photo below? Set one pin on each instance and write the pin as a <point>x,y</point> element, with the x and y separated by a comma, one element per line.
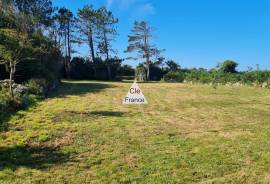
<point>186,134</point>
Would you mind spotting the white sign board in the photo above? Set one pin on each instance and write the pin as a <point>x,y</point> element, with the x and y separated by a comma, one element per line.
<point>134,95</point>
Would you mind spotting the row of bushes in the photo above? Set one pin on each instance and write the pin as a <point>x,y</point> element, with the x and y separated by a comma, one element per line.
<point>215,76</point>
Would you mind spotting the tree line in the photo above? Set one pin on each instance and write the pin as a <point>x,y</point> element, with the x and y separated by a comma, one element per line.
<point>37,41</point>
<point>97,29</point>
<point>225,73</point>
<point>25,51</point>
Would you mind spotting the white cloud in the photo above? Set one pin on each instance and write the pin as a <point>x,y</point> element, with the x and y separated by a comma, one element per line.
<point>120,4</point>
<point>125,4</point>
<point>109,3</point>
<point>146,9</point>
<point>136,9</point>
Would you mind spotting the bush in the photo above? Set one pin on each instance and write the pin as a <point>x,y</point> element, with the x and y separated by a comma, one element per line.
<point>156,73</point>
<point>37,86</point>
<point>22,96</point>
<point>228,66</point>
<point>127,70</point>
<point>5,104</point>
<point>174,76</point>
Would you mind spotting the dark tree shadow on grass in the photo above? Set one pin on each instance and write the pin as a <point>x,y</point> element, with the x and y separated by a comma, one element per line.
<point>6,115</point>
<point>30,157</point>
<point>77,116</point>
<point>93,114</point>
<point>78,88</point>
<point>132,81</point>
<point>66,88</point>
<point>107,113</point>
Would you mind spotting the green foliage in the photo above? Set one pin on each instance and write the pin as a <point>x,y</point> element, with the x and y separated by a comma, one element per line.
<point>106,24</point>
<point>80,69</point>
<point>39,11</point>
<point>25,51</point>
<point>126,70</point>
<point>21,100</point>
<point>216,76</point>
<point>172,65</point>
<point>5,104</point>
<point>37,86</point>
<point>7,20</point>
<point>84,69</point>
<point>173,76</point>
<point>140,41</point>
<point>14,46</point>
<point>87,26</point>
<point>228,66</point>
<point>156,73</point>
<point>197,75</point>
<point>38,58</point>
<point>226,73</point>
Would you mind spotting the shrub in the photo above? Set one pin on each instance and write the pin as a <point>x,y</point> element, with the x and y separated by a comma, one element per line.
<point>205,79</point>
<point>156,73</point>
<point>127,70</point>
<point>228,66</point>
<point>20,90</point>
<point>5,104</point>
<point>174,76</point>
<point>37,86</point>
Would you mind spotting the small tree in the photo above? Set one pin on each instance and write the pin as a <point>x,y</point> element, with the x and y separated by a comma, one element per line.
<point>139,40</point>
<point>228,66</point>
<point>14,47</point>
<point>172,65</point>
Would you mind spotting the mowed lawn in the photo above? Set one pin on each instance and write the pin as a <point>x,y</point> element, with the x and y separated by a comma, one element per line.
<point>186,134</point>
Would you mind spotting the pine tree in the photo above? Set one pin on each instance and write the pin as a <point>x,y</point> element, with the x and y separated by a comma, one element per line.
<point>139,40</point>
<point>106,34</point>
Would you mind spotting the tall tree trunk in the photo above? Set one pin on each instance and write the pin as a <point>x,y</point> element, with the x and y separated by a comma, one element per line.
<point>55,38</point>
<point>69,50</point>
<point>92,50</point>
<point>107,56</point>
<point>148,70</point>
<point>91,45</point>
<point>11,74</point>
<point>66,53</point>
<point>106,46</point>
<point>146,52</point>
<point>109,72</point>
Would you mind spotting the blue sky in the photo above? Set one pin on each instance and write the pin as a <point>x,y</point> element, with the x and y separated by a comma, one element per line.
<point>195,33</point>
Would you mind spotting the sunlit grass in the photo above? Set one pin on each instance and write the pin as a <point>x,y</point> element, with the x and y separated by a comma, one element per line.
<point>186,134</point>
